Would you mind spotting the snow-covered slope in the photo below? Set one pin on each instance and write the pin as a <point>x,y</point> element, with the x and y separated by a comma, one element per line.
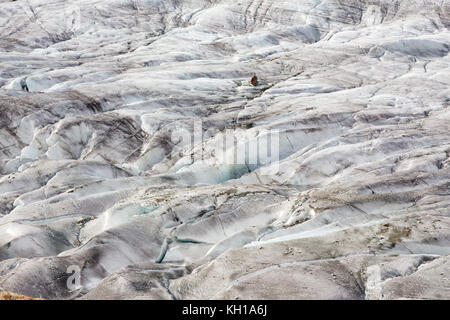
<point>116,182</point>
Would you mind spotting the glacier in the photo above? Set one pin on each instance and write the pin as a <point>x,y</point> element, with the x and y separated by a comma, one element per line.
<point>113,163</point>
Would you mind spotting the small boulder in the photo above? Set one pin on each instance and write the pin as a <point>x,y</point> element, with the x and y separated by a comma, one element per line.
<point>254,80</point>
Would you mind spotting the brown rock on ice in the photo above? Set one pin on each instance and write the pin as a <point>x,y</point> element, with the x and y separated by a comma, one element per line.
<point>254,80</point>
